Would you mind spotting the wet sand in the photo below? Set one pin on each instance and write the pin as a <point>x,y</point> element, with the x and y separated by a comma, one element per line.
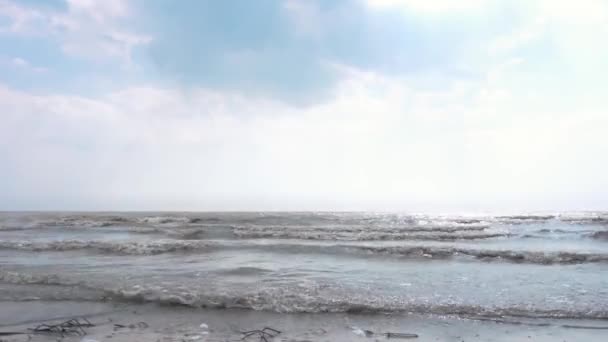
<point>163,323</point>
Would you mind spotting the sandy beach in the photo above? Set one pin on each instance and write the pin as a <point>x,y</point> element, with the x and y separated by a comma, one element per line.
<point>152,322</point>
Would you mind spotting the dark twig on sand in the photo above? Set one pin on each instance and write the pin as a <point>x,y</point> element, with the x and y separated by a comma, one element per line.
<point>11,333</point>
<point>71,327</point>
<point>141,325</point>
<point>263,334</point>
<point>400,335</point>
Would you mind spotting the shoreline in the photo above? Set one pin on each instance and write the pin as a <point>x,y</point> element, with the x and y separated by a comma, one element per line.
<point>153,322</point>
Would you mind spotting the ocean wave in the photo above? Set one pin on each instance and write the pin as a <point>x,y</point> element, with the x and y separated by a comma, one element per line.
<point>601,235</point>
<point>13,228</point>
<point>407,251</point>
<point>113,247</point>
<point>585,218</point>
<point>80,221</point>
<point>19,278</point>
<point>163,220</point>
<point>432,231</point>
<point>305,300</point>
<point>84,221</point>
<point>534,217</point>
<point>369,234</point>
<point>323,220</point>
<point>523,219</point>
<point>532,257</point>
<point>295,298</point>
<point>444,228</point>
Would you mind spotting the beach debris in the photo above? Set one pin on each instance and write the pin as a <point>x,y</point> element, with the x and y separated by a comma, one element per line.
<point>11,333</point>
<point>319,332</point>
<point>204,329</point>
<point>140,325</point>
<point>263,334</point>
<point>400,335</point>
<point>369,333</point>
<point>73,326</point>
<point>361,332</point>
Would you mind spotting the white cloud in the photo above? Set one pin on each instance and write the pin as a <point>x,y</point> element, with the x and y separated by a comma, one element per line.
<point>577,28</point>
<point>506,138</point>
<point>428,6</point>
<point>562,37</point>
<point>519,37</point>
<point>95,28</point>
<point>306,17</point>
<point>19,63</point>
<point>586,12</point>
<point>90,29</point>
<point>23,64</point>
<point>99,11</point>
<point>379,144</point>
<point>21,19</point>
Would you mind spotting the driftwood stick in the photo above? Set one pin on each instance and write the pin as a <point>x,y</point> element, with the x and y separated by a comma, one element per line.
<point>263,334</point>
<point>11,333</point>
<point>400,335</point>
<point>271,329</point>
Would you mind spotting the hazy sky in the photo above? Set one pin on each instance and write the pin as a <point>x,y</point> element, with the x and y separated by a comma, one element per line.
<point>409,105</point>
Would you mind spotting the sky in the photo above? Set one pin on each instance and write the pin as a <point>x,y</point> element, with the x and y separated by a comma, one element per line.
<point>381,105</point>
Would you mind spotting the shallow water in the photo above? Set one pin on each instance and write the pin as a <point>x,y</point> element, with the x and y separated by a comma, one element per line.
<point>474,266</point>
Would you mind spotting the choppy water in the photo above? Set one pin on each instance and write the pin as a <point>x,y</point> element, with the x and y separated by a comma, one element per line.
<point>476,266</point>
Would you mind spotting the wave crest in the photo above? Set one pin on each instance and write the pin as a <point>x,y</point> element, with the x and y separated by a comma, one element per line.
<point>406,251</point>
<point>297,298</point>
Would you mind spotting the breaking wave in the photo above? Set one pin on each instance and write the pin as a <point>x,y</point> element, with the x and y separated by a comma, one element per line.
<point>85,221</point>
<point>586,218</point>
<point>532,257</point>
<point>410,252</point>
<point>301,298</point>
<point>514,219</point>
<point>112,247</point>
<point>310,226</point>
<point>601,235</point>
<point>366,235</point>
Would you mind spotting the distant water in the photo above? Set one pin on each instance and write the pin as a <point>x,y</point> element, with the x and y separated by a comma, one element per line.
<point>552,266</point>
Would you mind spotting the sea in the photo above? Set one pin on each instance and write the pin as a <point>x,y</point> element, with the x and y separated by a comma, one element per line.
<point>481,266</point>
